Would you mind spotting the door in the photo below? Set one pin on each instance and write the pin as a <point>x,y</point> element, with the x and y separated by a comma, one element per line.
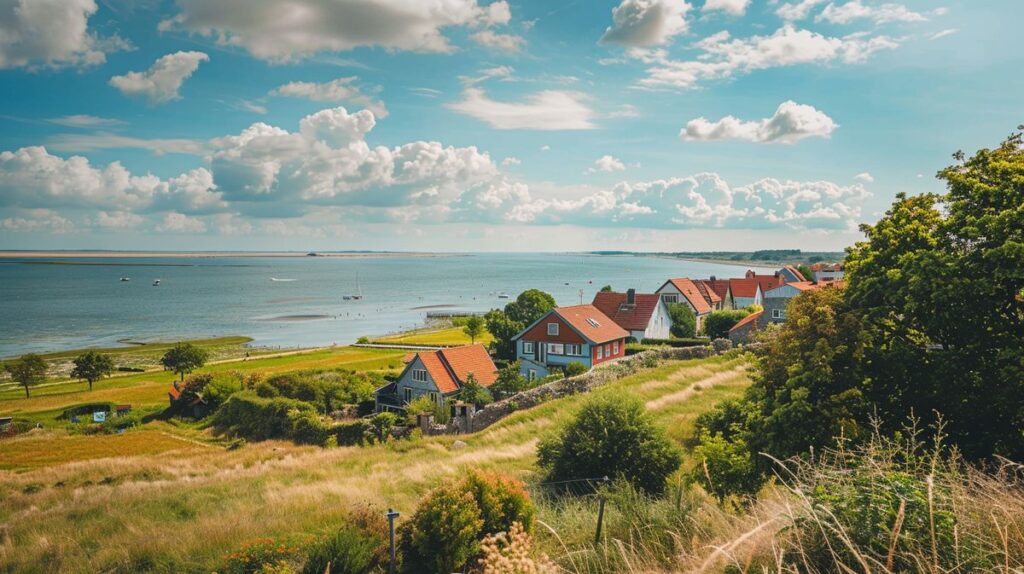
<point>542,353</point>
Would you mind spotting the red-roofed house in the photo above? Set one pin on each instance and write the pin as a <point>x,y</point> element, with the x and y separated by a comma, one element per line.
<point>644,315</point>
<point>683,290</point>
<point>438,375</point>
<point>577,334</point>
<point>742,330</point>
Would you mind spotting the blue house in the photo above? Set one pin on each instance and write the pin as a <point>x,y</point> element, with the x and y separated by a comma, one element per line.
<point>577,334</point>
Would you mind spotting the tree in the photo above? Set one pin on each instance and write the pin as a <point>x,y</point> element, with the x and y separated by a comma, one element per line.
<point>473,392</point>
<point>614,436</point>
<point>510,381</point>
<point>92,366</point>
<point>184,358</point>
<point>718,323</point>
<point>28,371</point>
<point>529,306</point>
<point>806,272</point>
<point>442,534</point>
<point>505,324</point>
<point>684,322</point>
<point>474,328</point>
<point>606,289</point>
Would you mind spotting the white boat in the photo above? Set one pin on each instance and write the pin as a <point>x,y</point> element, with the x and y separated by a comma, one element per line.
<point>156,283</point>
<point>358,296</point>
<point>276,280</point>
<point>503,295</point>
<point>123,279</point>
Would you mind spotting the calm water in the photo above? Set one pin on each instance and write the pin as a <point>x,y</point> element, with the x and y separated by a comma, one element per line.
<point>49,307</point>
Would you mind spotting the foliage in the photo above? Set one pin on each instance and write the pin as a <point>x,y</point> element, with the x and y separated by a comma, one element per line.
<point>442,534</point>
<point>575,368</point>
<point>423,404</point>
<point>327,390</point>
<point>502,501</point>
<point>364,340</point>
<point>193,388</point>
<point>684,322</point>
<point>184,358</point>
<point>308,427</point>
<point>806,272</point>
<point>607,289</point>
<point>614,436</point>
<point>718,323</point>
<point>512,553</point>
<point>725,466</point>
<point>474,327</point>
<point>473,392</point>
<point>221,387</point>
<point>253,557</point>
<point>27,371</point>
<point>381,425</point>
<point>529,306</point>
<point>253,417</point>
<point>510,381</point>
<point>360,546</point>
<point>678,343</point>
<point>92,366</point>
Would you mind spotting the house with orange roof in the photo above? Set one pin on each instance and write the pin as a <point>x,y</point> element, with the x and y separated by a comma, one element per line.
<point>717,288</point>
<point>747,326</point>
<point>439,375</point>
<point>577,334</point>
<point>827,271</point>
<point>686,291</point>
<point>644,315</point>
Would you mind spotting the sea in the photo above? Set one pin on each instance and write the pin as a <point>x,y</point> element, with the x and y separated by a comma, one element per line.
<point>56,304</point>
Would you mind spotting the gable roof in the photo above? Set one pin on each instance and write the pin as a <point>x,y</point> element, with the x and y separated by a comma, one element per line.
<point>689,290</point>
<point>744,287</point>
<point>591,323</point>
<point>746,320</point>
<point>449,368</point>
<point>709,294</point>
<point>634,317</point>
<point>796,273</point>
<point>719,287</point>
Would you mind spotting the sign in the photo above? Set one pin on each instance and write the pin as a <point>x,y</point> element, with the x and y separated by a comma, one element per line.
<point>99,416</point>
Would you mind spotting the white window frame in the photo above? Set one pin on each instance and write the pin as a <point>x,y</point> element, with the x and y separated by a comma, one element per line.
<point>607,350</point>
<point>531,375</point>
<point>407,394</point>
<point>527,347</point>
<point>553,329</point>
<point>574,350</point>
<point>615,348</point>
<point>670,297</point>
<point>600,352</point>
<point>777,314</point>
<point>433,397</point>
<point>556,349</point>
<point>420,375</point>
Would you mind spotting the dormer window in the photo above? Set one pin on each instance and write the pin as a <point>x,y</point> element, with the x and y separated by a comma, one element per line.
<point>553,329</point>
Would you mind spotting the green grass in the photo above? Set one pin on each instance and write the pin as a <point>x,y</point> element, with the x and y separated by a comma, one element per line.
<point>36,450</point>
<point>214,500</point>
<point>449,336</point>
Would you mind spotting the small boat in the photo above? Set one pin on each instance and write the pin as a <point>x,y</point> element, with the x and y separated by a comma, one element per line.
<point>276,280</point>
<point>123,279</point>
<point>502,295</point>
<point>358,296</point>
<point>156,283</point>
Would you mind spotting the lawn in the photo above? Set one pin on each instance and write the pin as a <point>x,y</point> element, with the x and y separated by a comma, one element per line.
<point>448,337</point>
<point>215,500</point>
<point>47,448</point>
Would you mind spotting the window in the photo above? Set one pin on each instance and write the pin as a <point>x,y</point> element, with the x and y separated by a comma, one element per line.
<point>777,314</point>
<point>433,397</point>
<point>528,348</point>
<point>607,350</point>
<point>600,352</point>
<point>575,350</point>
<point>556,349</point>
<point>615,348</point>
<point>531,375</point>
<point>407,394</point>
<point>552,328</point>
<point>419,375</point>
<point>672,298</point>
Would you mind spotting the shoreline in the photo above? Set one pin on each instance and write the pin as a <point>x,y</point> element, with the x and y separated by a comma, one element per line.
<point>211,254</point>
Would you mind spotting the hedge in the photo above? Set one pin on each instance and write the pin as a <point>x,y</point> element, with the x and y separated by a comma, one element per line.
<point>677,343</point>
<point>248,415</point>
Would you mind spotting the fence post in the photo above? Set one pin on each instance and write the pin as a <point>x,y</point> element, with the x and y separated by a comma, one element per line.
<point>392,515</point>
<point>600,514</point>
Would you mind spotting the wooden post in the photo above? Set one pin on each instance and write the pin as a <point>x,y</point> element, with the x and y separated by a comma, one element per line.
<point>600,514</point>
<point>392,515</point>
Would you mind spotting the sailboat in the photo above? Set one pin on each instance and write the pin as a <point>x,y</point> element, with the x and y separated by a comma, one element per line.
<point>358,296</point>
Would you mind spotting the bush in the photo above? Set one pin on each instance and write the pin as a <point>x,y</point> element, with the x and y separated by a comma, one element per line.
<point>250,416</point>
<point>358,547</point>
<point>443,533</point>
<point>381,425</point>
<point>262,555</point>
<point>221,387</point>
<point>574,369</point>
<point>684,322</point>
<point>612,436</point>
<point>718,323</point>
<point>502,501</point>
<point>308,427</point>
<point>474,392</point>
<point>351,433</point>
<point>678,343</point>
<point>510,381</point>
<point>423,404</point>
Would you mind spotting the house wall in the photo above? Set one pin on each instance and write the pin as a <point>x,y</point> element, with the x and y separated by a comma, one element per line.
<point>670,290</point>
<point>828,275</point>
<point>774,310</point>
<point>539,332</point>
<point>742,335</point>
<point>609,352</point>
<point>418,388</point>
<point>658,327</point>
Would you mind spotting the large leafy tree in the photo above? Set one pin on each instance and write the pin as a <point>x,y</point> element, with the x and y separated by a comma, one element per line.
<point>92,366</point>
<point>529,306</point>
<point>718,323</point>
<point>474,328</point>
<point>684,322</point>
<point>184,358</point>
<point>28,371</point>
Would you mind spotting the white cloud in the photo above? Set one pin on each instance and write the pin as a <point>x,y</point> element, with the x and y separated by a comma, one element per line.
<point>607,163</point>
<point>646,22</point>
<point>281,32</point>
<point>733,7</point>
<point>723,57</point>
<point>509,43</point>
<point>503,72</point>
<point>790,123</point>
<point>339,90</point>
<point>175,222</point>
<point>118,220</point>
<point>511,161</point>
<point>546,110</point>
<point>36,220</point>
<point>943,33</point>
<point>625,111</point>
<point>795,11</point>
<point>51,33</point>
<point>104,140</point>
<point>865,177</point>
<point>253,107</point>
<point>161,82</point>
<point>545,147</point>
<point>85,121</point>
<point>882,14</point>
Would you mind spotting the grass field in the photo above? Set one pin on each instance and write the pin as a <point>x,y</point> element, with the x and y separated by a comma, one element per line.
<point>47,448</point>
<point>448,336</point>
<point>182,513</point>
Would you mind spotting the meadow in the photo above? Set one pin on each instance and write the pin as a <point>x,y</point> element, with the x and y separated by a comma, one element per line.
<point>444,336</point>
<point>183,509</point>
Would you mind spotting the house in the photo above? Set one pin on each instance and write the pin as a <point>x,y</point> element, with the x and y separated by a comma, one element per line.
<point>683,290</point>
<point>749,290</point>
<point>827,271</point>
<point>577,334</point>
<point>437,374</point>
<point>644,315</point>
<point>720,289</point>
<point>741,331</point>
<point>792,274</point>
<point>776,299</point>
<point>710,295</point>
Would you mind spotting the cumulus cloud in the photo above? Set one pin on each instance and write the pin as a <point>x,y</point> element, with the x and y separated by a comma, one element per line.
<point>546,110</point>
<point>723,57</point>
<point>733,7</point>
<point>625,111</point>
<point>174,222</point>
<point>276,31</point>
<point>790,123</point>
<point>36,220</point>
<point>161,82</point>
<point>85,121</point>
<point>104,140</point>
<point>881,14</point>
<point>117,220</point>
<point>51,33</point>
<point>865,177</point>
<point>509,43</point>
<point>646,22</point>
<point>795,11</point>
<point>607,163</point>
<point>510,161</point>
<point>339,90</point>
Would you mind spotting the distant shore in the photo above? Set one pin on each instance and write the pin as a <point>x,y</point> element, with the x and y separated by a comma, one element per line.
<point>209,254</point>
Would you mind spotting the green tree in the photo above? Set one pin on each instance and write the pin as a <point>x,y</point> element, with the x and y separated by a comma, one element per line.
<point>505,324</point>
<point>574,369</point>
<point>28,371</point>
<point>473,392</point>
<point>806,272</point>
<point>684,322</point>
<point>529,306</point>
<point>718,323</point>
<point>184,358</point>
<point>474,328</point>
<point>92,366</point>
<point>606,289</point>
<point>510,381</point>
<point>614,436</point>
<point>381,425</point>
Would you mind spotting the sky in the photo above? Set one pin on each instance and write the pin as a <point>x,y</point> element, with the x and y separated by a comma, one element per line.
<point>477,125</point>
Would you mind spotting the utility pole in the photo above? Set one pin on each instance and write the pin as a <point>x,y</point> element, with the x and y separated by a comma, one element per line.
<point>581,296</point>
<point>392,515</point>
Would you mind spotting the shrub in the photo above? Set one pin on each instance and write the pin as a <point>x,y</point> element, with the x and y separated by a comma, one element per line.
<point>718,323</point>
<point>725,466</point>
<point>253,557</point>
<point>308,427</point>
<point>358,547</point>
<point>510,381</point>
<point>678,343</point>
<point>684,322</point>
<point>381,425</point>
<point>502,501</point>
<point>612,436</point>
<point>423,404</point>
<point>474,392</point>
<point>351,433</point>
<point>364,340</point>
<point>221,387</point>
<point>574,369</point>
<point>253,417</point>
<point>442,534</point>
<point>512,553</point>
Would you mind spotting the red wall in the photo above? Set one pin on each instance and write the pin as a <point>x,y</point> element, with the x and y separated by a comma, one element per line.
<point>539,332</point>
<point>610,346</point>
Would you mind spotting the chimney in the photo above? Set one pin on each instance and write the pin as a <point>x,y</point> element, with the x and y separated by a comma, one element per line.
<point>712,278</point>
<point>631,297</point>
<point>750,274</point>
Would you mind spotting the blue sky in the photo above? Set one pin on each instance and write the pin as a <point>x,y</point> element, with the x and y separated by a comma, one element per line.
<point>478,125</point>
